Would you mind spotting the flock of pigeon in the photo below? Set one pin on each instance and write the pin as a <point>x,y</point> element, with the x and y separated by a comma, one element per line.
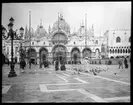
<point>95,70</point>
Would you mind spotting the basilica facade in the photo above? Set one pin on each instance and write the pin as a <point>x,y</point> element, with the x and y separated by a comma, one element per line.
<point>59,42</point>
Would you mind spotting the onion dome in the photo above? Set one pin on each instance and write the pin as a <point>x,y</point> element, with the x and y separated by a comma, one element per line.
<point>41,32</point>
<point>62,25</point>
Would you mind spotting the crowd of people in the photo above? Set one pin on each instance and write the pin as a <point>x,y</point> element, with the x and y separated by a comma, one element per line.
<point>59,64</point>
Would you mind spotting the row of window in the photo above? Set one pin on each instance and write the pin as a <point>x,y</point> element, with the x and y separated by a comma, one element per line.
<point>118,39</point>
<point>120,51</point>
<point>120,47</point>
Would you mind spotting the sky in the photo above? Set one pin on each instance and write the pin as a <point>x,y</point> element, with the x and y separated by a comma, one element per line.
<point>103,15</point>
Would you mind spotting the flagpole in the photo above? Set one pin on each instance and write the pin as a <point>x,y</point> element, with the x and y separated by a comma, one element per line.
<point>58,38</point>
<point>86,30</point>
<point>30,37</point>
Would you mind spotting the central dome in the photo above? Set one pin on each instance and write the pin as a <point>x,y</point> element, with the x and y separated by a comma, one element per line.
<point>62,25</point>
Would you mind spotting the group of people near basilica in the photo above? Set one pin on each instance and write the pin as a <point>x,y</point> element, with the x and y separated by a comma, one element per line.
<point>59,64</point>
<point>86,66</point>
<point>122,62</point>
<point>45,63</point>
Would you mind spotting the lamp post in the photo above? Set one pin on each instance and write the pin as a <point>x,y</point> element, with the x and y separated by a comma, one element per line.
<point>21,35</point>
<point>12,72</point>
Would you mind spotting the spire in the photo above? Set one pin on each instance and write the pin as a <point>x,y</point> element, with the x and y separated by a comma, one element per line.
<point>41,23</point>
<point>30,24</point>
<point>49,29</point>
<point>92,30</point>
<point>26,32</point>
<point>61,15</point>
<point>86,30</point>
<point>82,24</point>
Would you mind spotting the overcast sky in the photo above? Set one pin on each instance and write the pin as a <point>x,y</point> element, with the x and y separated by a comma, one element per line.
<point>104,15</point>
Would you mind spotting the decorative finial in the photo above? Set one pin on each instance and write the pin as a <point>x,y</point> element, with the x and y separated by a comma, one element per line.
<point>82,23</point>
<point>40,22</point>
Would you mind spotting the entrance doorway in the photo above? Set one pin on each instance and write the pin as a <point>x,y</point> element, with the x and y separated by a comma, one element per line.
<point>32,55</point>
<point>75,55</point>
<point>59,53</point>
<point>75,58</point>
<point>43,55</point>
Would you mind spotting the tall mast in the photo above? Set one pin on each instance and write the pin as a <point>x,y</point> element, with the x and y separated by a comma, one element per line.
<point>30,27</point>
<point>86,30</point>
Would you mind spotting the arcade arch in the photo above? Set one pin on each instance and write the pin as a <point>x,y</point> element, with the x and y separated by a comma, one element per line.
<point>32,55</point>
<point>86,53</point>
<point>43,54</point>
<point>59,53</point>
<point>75,55</point>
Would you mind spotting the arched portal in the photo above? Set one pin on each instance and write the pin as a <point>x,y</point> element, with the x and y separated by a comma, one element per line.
<point>75,55</point>
<point>97,53</point>
<point>86,53</point>
<point>43,55</point>
<point>59,53</point>
<point>59,37</point>
<point>32,55</point>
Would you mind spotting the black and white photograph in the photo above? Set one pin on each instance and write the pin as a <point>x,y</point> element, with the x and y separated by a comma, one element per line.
<point>66,52</point>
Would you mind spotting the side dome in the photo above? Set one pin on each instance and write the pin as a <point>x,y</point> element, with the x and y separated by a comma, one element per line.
<point>62,25</point>
<point>41,32</point>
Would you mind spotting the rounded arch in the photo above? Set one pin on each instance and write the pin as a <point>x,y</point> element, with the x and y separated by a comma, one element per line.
<point>127,56</point>
<point>112,57</point>
<point>126,51</point>
<point>31,52</point>
<point>118,39</point>
<point>118,51</point>
<point>75,55</point>
<point>75,48</point>
<point>59,52</point>
<point>43,54</point>
<point>97,52</point>
<point>86,52</point>
<point>32,55</point>
<point>117,56</point>
<point>129,51</point>
<point>43,48</point>
<point>59,36</point>
<point>123,57</point>
<point>123,50</point>
<point>115,50</point>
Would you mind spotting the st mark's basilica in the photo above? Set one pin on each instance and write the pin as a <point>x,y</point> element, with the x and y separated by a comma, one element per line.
<point>59,42</point>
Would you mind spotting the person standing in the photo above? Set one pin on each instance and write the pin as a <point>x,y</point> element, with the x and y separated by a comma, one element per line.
<point>56,65</point>
<point>29,63</point>
<point>23,64</point>
<point>125,63</point>
<point>120,62</point>
<point>20,64</point>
